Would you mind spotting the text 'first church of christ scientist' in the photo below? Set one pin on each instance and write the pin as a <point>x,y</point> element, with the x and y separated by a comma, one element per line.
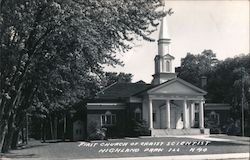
<point>167,106</point>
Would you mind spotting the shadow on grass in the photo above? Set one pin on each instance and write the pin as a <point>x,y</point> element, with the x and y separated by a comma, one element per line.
<point>30,146</point>
<point>216,143</point>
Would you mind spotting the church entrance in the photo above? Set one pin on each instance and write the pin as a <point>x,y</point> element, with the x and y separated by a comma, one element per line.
<point>163,117</point>
<point>173,117</point>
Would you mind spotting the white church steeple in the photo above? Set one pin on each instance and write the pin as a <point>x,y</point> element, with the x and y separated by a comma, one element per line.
<point>164,38</point>
<point>163,60</point>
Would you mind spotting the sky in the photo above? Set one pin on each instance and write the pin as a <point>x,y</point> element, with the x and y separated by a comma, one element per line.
<point>220,25</point>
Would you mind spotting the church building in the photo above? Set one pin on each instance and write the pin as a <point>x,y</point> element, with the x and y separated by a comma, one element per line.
<point>168,106</point>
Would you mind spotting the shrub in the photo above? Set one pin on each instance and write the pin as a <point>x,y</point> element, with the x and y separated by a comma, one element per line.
<point>139,128</point>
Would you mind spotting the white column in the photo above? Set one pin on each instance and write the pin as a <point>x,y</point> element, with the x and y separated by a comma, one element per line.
<point>167,113</point>
<point>150,114</point>
<point>192,114</point>
<point>185,124</point>
<point>201,114</point>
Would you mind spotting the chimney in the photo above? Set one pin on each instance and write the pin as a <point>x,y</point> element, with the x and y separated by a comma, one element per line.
<point>204,82</point>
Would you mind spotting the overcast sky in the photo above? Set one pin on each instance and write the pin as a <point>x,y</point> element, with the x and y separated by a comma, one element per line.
<point>222,26</point>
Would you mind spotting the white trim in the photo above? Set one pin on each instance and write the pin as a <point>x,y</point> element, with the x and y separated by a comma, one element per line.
<point>176,97</point>
<point>135,100</point>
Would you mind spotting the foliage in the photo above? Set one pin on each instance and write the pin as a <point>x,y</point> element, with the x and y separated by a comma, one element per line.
<point>96,133</point>
<point>193,67</point>
<point>138,128</point>
<point>230,82</point>
<point>212,125</point>
<point>112,77</point>
<point>227,81</point>
<point>52,51</point>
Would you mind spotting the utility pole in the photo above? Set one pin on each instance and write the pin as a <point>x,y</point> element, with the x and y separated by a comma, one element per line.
<point>242,101</point>
<point>27,128</point>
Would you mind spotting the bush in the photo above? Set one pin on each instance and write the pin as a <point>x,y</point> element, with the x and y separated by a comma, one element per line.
<point>213,126</point>
<point>139,128</point>
<point>98,134</point>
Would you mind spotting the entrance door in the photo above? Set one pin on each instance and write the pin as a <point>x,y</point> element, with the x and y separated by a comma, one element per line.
<point>162,117</point>
<point>78,130</point>
<point>173,117</point>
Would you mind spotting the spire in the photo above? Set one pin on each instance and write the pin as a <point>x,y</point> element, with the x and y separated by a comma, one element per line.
<point>163,61</point>
<point>164,38</point>
<point>163,34</point>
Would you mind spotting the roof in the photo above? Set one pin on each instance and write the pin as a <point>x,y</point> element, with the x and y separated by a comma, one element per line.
<point>125,90</point>
<point>217,106</point>
<point>122,90</point>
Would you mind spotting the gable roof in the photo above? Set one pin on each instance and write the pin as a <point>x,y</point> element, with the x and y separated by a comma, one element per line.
<point>125,90</point>
<point>122,90</point>
<point>185,84</point>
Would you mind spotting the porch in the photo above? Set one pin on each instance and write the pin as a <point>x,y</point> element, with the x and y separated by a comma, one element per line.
<point>176,116</point>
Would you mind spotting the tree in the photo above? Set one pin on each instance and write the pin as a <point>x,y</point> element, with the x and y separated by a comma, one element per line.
<point>228,81</point>
<point>56,48</point>
<point>225,83</point>
<point>112,77</point>
<point>193,67</point>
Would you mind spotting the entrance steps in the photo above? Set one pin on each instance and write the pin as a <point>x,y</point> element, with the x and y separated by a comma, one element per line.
<point>169,132</point>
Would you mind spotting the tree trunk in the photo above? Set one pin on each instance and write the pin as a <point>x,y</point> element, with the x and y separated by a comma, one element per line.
<point>51,127</point>
<point>15,139</point>
<point>64,127</point>
<point>44,130</point>
<point>55,127</point>
<point>7,141</point>
<point>23,138</point>
<point>8,136</point>
<point>3,131</point>
<point>27,129</point>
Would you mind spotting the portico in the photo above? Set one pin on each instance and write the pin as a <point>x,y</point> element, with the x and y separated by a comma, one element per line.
<point>175,104</point>
<point>187,114</point>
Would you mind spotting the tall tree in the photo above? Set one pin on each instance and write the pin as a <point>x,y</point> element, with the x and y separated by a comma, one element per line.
<point>54,47</point>
<point>112,77</point>
<point>193,67</point>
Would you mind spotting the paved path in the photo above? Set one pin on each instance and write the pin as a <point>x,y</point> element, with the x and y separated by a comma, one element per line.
<point>140,148</point>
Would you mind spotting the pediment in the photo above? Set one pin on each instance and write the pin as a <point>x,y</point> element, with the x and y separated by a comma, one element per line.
<point>168,56</point>
<point>177,86</point>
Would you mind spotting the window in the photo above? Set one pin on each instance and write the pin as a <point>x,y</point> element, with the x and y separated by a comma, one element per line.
<point>215,117</point>
<point>138,114</point>
<point>196,117</point>
<point>168,66</point>
<point>108,119</point>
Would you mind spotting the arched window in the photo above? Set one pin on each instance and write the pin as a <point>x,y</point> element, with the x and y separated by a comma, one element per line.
<point>215,117</point>
<point>138,114</point>
<point>108,119</point>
